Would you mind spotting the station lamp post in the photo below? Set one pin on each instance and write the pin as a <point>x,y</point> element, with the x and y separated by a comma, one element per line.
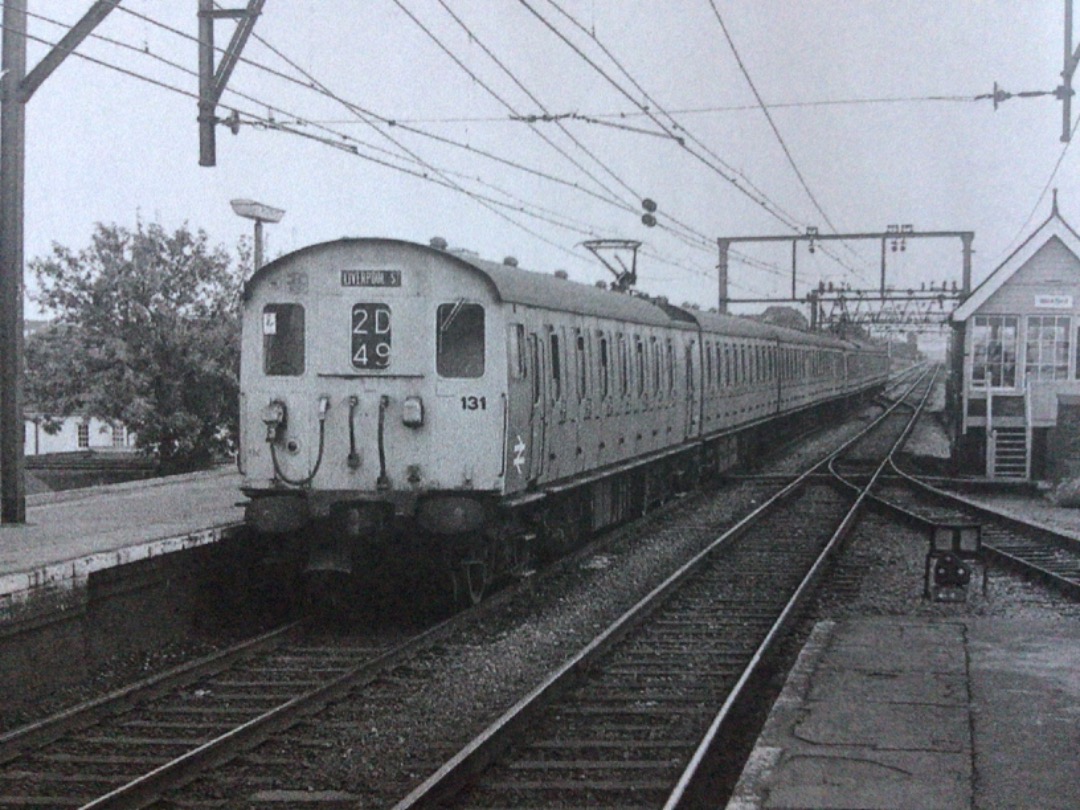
<point>249,209</point>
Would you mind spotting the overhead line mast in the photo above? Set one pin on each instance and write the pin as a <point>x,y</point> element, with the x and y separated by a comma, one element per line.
<point>16,88</point>
<point>212,82</point>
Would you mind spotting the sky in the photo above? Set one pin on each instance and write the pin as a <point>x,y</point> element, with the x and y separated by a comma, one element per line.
<point>873,122</point>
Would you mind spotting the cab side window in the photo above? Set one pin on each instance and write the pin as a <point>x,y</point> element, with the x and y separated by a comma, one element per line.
<point>459,340</point>
<point>283,340</point>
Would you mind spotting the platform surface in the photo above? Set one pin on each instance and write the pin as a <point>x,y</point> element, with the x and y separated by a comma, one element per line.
<point>924,714</point>
<point>68,534</point>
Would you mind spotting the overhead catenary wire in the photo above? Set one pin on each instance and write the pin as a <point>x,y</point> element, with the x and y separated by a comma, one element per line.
<point>772,124</point>
<point>788,218</point>
<point>308,84</point>
<point>491,92</point>
<point>1022,230</point>
<point>340,142</point>
<point>355,110</point>
<point>774,105</point>
<point>474,38</point>
<point>654,104</point>
<point>728,173</point>
<point>763,201</point>
<point>330,138</point>
<point>389,121</point>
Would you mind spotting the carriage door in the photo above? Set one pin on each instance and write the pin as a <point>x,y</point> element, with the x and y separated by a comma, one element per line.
<point>692,404</point>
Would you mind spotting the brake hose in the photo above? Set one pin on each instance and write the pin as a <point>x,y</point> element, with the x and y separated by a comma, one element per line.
<point>383,482</point>
<point>301,482</point>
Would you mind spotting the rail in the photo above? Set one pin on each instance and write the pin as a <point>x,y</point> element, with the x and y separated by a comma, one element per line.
<point>485,749</point>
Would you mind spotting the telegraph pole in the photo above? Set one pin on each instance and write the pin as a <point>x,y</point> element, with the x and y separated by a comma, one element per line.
<point>1065,91</point>
<point>12,167</point>
<point>16,88</point>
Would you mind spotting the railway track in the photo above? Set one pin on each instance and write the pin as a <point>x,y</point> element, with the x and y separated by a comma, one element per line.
<point>126,749</point>
<point>129,749</point>
<point>1032,550</point>
<point>630,720</point>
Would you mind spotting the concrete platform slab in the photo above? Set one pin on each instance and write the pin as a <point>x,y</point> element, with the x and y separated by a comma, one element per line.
<point>884,686</point>
<point>881,781</point>
<point>69,535</point>
<point>1025,686</point>
<point>958,714</point>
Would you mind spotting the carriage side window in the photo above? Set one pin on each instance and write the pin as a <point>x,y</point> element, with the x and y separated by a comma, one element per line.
<point>624,365</point>
<point>582,367</point>
<point>605,366</point>
<point>708,382</point>
<point>283,340</point>
<point>516,347</point>
<point>534,361</point>
<point>655,352</point>
<point>556,368</point>
<point>459,340</point>
<point>671,366</point>
<point>639,364</point>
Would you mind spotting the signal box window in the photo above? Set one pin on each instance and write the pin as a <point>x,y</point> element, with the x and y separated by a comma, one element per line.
<point>283,340</point>
<point>460,340</point>
<point>994,340</point>
<point>1047,348</point>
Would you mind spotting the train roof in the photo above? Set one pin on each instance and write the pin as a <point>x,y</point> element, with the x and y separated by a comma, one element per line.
<point>551,292</point>
<point>510,284</point>
<point>748,327</point>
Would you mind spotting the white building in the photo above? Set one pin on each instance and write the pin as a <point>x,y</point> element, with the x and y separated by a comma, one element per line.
<point>76,433</point>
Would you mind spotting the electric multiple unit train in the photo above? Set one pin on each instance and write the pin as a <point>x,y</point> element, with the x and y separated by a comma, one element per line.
<point>392,389</point>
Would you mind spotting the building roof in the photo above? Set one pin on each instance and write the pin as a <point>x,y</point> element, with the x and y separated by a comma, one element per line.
<point>1054,227</point>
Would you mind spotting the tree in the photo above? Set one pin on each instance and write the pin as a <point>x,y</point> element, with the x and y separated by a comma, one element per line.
<point>147,334</point>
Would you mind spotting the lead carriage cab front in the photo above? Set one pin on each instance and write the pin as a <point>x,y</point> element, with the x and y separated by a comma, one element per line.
<point>370,367</point>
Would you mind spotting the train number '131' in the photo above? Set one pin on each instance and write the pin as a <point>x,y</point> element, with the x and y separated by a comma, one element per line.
<point>474,403</point>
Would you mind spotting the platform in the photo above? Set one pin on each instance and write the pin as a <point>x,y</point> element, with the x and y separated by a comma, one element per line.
<point>68,535</point>
<point>924,714</point>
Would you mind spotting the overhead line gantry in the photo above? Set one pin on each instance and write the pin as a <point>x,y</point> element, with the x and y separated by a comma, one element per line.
<point>884,294</point>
